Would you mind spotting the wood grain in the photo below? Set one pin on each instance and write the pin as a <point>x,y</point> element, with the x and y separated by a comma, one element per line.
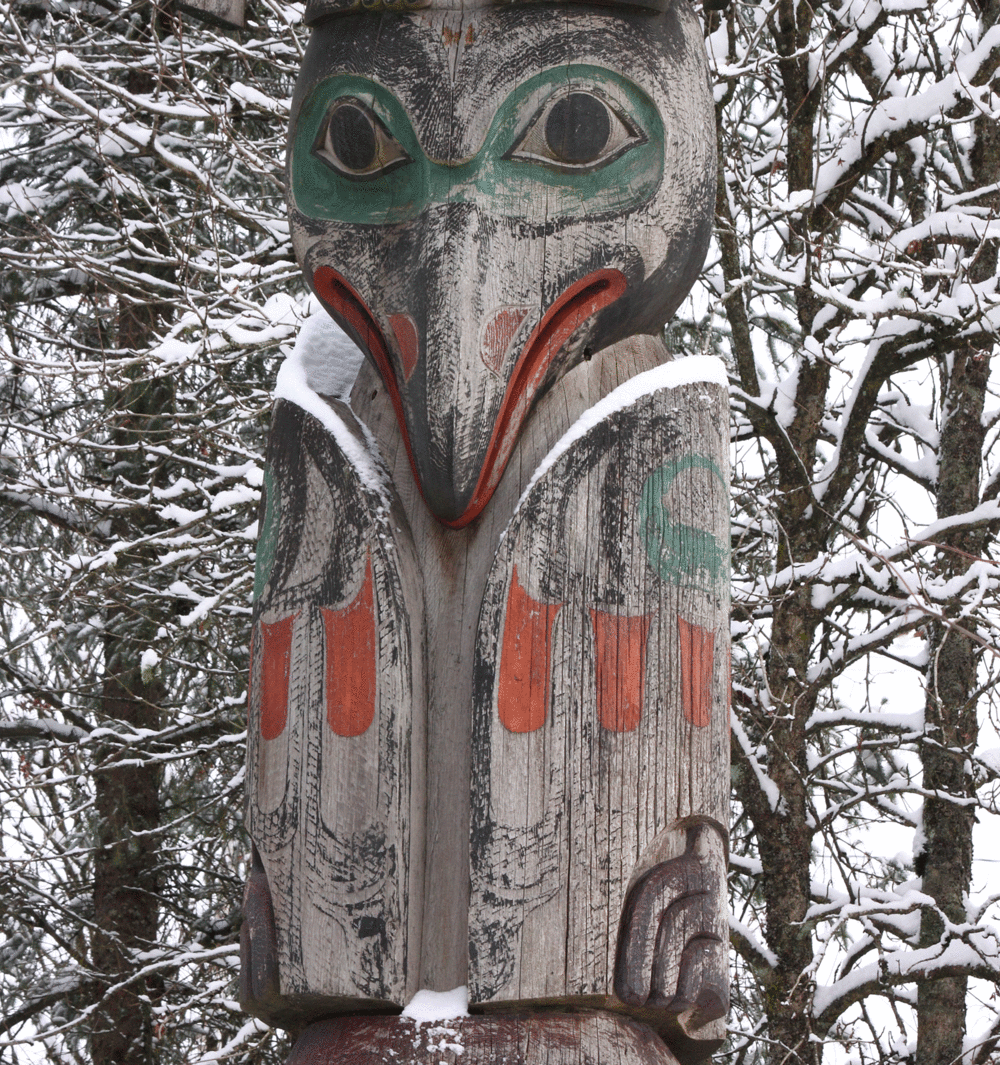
<point>477,267</point>
<point>586,788</point>
<point>455,565</point>
<point>628,532</point>
<point>223,12</point>
<point>671,967</point>
<point>544,1039</point>
<point>336,749</point>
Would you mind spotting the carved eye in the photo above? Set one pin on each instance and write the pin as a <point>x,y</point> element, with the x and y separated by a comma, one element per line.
<point>576,132</point>
<point>354,142</point>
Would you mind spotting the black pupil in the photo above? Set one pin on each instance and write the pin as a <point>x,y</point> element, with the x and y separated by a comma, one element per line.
<point>578,128</point>
<point>352,137</point>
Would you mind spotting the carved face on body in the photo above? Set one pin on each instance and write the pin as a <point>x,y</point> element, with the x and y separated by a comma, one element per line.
<point>483,197</point>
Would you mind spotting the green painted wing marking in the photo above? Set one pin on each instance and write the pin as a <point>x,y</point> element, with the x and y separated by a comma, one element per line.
<point>678,552</point>
<point>267,540</point>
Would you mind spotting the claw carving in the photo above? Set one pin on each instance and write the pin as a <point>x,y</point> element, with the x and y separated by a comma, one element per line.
<point>672,941</point>
<point>258,949</point>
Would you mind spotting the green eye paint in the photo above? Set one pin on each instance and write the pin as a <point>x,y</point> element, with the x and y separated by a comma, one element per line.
<point>503,187</point>
<point>321,192</point>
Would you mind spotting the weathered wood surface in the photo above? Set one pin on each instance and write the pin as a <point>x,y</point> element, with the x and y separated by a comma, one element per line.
<point>553,898</point>
<point>672,963</point>
<point>543,1039</point>
<point>230,13</point>
<point>284,768</point>
<point>453,685</point>
<point>601,718</point>
<point>455,565</point>
<point>336,739</point>
<point>455,208</point>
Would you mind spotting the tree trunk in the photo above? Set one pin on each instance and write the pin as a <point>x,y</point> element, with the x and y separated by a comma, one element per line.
<point>126,902</point>
<point>951,728</point>
<point>127,790</point>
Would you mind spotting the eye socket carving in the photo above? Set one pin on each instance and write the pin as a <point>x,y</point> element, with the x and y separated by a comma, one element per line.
<point>353,141</point>
<point>576,132</point>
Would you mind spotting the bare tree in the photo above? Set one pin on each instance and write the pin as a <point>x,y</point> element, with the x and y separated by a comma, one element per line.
<point>147,292</point>
<point>857,302</point>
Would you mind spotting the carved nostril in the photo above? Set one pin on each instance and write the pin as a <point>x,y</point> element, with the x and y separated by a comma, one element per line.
<point>579,302</point>
<point>457,495</point>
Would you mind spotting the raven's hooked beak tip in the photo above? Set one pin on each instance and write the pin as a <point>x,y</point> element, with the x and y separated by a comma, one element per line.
<point>456,496</point>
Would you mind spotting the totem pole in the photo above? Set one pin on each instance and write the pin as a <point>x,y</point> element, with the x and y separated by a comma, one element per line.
<point>488,712</point>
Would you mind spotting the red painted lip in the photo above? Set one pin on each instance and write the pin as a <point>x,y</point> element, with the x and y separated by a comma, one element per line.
<point>350,309</point>
<point>580,301</point>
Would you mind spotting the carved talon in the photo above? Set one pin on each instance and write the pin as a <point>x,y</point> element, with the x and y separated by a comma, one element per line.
<point>258,949</point>
<point>672,940</point>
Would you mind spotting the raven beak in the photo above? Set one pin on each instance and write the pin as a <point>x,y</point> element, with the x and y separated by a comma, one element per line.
<point>460,417</point>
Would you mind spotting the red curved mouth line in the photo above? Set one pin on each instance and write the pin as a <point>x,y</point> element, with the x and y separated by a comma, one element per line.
<point>349,310</point>
<point>579,302</point>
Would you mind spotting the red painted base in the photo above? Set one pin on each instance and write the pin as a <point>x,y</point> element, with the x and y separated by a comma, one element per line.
<point>586,1038</point>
